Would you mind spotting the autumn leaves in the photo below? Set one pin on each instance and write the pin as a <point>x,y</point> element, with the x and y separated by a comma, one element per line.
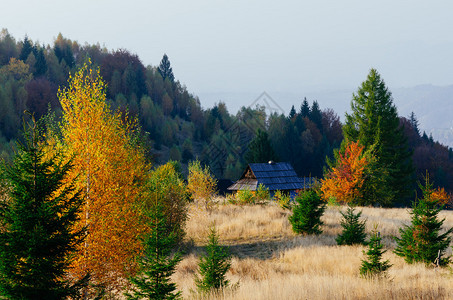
<point>109,169</point>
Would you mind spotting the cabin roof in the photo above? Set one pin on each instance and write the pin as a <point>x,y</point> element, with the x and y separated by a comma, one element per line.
<point>274,176</point>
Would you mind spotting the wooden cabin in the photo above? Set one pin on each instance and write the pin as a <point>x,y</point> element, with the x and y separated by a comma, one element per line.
<point>274,176</point>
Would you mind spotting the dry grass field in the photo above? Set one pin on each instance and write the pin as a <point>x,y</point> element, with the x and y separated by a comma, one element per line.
<point>271,262</point>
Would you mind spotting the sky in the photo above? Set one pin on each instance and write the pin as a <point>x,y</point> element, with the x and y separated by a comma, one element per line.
<point>235,50</point>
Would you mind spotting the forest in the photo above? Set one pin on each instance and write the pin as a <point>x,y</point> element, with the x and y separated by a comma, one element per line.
<point>175,126</point>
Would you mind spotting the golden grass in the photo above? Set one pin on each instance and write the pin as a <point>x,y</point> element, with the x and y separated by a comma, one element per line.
<point>271,262</point>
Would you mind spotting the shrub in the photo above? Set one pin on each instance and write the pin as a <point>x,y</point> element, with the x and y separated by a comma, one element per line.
<point>284,201</point>
<point>421,241</point>
<point>372,266</point>
<point>245,197</point>
<point>353,229</point>
<point>262,193</point>
<point>306,217</point>
<point>201,184</point>
<point>167,186</point>
<point>213,266</point>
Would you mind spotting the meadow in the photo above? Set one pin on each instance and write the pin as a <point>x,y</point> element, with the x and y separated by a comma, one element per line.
<point>269,261</point>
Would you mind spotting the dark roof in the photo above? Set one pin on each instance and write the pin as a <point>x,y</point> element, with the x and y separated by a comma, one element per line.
<point>274,176</point>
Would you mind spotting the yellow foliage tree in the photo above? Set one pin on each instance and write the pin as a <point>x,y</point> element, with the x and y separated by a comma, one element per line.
<point>201,184</point>
<point>110,168</point>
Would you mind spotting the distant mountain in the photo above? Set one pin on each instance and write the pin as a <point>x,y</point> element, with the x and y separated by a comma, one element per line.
<point>433,106</point>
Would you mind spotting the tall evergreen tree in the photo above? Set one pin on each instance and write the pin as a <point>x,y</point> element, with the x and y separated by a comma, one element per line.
<point>260,149</point>
<point>37,220</point>
<point>292,113</point>
<point>27,48</point>
<point>374,123</point>
<point>316,115</point>
<point>305,108</point>
<point>41,64</point>
<point>414,122</point>
<point>165,69</point>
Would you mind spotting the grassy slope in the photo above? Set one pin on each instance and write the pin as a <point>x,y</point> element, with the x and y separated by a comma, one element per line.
<point>270,262</point>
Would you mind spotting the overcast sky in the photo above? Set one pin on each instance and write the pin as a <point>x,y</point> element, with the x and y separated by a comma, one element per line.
<point>297,48</point>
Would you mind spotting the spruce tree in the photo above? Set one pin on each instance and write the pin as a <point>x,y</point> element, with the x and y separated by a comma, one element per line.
<point>157,263</point>
<point>374,122</point>
<point>305,108</point>
<point>306,217</point>
<point>373,266</point>
<point>260,149</point>
<point>213,266</point>
<point>353,229</point>
<point>37,217</point>
<point>292,113</point>
<point>165,69</point>
<point>422,240</point>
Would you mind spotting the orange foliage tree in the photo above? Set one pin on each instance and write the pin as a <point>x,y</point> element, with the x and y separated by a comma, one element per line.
<point>109,167</point>
<point>344,181</point>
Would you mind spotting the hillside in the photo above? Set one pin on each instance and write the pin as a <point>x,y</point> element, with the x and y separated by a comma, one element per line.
<point>271,262</point>
<point>175,125</point>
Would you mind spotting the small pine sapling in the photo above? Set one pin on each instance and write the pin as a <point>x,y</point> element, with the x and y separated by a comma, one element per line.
<point>157,264</point>
<point>306,217</point>
<point>421,241</point>
<point>213,266</point>
<point>373,266</point>
<point>353,229</point>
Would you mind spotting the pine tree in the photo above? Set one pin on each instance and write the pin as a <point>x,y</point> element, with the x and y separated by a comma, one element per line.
<point>305,108</point>
<point>27,48</point>
<point>213,266</point>
<point>292,113</point>
<point>373,266</point>
<point>316,115</point>
<point>306,217</point>
<point>38,237</point>
<point>165,69</point>
<point>353,229</point>
<point>157,263</point>
<point>414,122</point>
<point>260,149</point>
<point>421,241</point>
<point>374,123</point>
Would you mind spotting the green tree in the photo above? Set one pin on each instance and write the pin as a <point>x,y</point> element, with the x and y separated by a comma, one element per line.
<point>165,69</point>
<point>305,108</point>
<point>306,217</point>
<point>292,113</point>
<point>260,149</point>
<point>37,218</point>
<point>27,48</point>
<point>353,229</point>
<point>422,240</point>
<point>213,266</point>
<point>157,263</point>
<point>166,186</point>
<point>374,123</point>
<point>373,266</point>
